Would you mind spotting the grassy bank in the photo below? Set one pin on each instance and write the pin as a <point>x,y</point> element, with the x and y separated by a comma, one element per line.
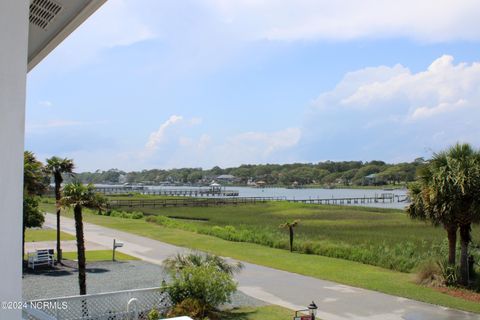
<point>381,237</point>
<point>259,313</point>
<point>338,270</point>
<point>36,235</point>
<point>99,255</point>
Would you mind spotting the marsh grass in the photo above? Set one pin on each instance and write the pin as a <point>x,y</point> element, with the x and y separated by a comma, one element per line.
<point>380,237</point>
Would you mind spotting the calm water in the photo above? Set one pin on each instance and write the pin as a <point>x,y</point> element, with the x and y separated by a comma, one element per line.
<point>313,193</point>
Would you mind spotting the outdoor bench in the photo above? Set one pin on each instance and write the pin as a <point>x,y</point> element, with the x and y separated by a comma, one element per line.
<point>41,257</point>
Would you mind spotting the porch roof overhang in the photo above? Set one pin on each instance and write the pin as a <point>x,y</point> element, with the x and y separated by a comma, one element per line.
<point>51,21</point>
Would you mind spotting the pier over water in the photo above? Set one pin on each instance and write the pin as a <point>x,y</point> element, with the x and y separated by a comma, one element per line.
<point>185,192</point>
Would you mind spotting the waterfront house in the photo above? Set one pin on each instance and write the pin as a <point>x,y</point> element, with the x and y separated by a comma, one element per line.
<point>227,178</point>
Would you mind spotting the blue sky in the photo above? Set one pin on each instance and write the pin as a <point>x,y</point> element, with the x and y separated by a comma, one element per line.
<point>163,84</point>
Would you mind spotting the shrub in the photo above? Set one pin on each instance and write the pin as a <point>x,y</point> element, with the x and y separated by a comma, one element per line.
<point>190,307</point>
<point>151,219</point>
<point>206,285</point>
<point>137,215</point>
<point>153,315</point>
<point>123,214</point>
<point>430,274</point>
<point>196,259</point>
<point>449,272</point>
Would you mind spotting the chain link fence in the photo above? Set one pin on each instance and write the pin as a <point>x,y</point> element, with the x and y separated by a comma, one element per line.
<point>120,305</point>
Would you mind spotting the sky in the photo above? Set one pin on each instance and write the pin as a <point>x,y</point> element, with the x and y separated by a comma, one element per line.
<point>169,84</point>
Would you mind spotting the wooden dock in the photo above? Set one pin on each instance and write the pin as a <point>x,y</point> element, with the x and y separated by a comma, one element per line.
<point>219,201</point>
<point>189,202</point>
<point>384,198</point>
<point>181,192</point>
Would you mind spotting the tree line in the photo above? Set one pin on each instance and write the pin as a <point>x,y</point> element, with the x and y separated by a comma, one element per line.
<point>328,173</point>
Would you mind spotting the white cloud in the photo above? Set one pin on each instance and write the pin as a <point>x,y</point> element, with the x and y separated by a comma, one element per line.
<point>426,112</point>
<point>391,110</point>
<point>263,144</point>
<point>159,136</point>
<point>213,31</point>
<point>166,134</point>
<point>427,20</point>
<point>117,23</point>
<point>207,151</point>
<point>444,87</point>
<point>244,148</point>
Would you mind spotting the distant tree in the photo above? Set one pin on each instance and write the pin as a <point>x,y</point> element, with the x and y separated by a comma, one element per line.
<point>446,193</point>
<point>347,176</point>
<point>419,160</point>
<point>376,163</point>
<point>348,172</point>
<point>290,226</point>
<point>216,171</point>
<point>243,172</point>
<point>331,178</point>
<point>35,180</point>
<point>365,171</point>
<point>195,176</point>
<point>32,217</point>
<point>57,167</point>
<point>34,184</point>
<point>79,196</point>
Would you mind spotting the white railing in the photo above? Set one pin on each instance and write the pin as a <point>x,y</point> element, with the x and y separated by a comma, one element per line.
<point>120,305</point>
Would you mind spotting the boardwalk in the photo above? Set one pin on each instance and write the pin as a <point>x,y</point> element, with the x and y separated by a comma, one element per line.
<point>189,202</point>
<point>234,201</point>
<point>185,192</point>
<point>383,198</point>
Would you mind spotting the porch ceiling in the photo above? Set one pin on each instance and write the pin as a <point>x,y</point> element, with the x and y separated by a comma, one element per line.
<point>51,21</point>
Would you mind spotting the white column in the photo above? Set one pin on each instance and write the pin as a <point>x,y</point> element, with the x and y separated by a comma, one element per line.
<point>13,71</point>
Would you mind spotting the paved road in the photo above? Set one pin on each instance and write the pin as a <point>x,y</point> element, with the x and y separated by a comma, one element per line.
<point>335,301</point>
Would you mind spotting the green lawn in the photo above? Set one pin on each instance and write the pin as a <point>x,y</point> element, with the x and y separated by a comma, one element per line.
<point>99,255</point>
<point>36,235</point>
<point>259,313</point>
<point>338,270</point>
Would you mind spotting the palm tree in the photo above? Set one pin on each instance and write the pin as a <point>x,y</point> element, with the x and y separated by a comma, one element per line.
<point>79,196</point>
<point>446,192</point>
<point>429,204</point>
<point>196,259</point>
<point>290,226</point>
<point>57,167</point>
<point>463,171</point>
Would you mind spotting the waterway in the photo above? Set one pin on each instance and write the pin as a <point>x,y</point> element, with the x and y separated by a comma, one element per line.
<point>313,193</point>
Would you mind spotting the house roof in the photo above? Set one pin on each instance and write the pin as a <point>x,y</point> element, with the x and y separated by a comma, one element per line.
<point>226,176</point>
<point>51,21</point>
